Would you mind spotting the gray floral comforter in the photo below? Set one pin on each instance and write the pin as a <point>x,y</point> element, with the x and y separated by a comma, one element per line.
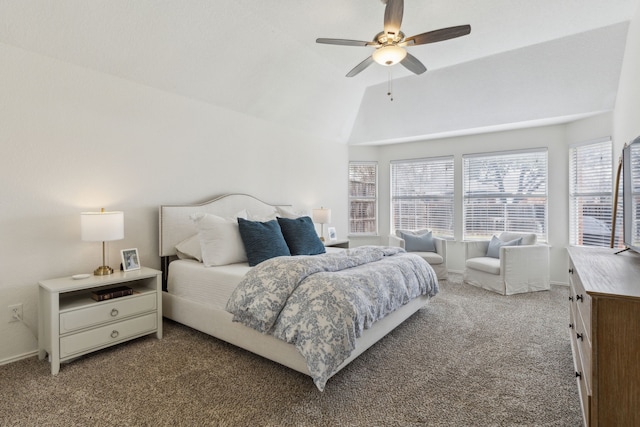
<point>322,303</point>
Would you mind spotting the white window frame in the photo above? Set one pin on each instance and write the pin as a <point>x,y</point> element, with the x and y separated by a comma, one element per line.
<point>432,202</point>
<point>498,196</point>
<point>363,199</point>
<point>591,192</point>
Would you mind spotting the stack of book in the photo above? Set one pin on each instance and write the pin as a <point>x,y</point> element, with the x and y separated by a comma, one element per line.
<point>105,294</point>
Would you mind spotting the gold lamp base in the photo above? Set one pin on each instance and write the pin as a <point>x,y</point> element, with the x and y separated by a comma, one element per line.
<point>103,270</point>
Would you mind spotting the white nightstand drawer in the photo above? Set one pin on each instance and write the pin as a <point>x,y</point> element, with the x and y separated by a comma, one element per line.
<point>86,341</point>
<point>105,312</point>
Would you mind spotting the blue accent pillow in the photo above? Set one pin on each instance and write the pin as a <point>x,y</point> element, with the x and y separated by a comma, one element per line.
<point>262,240</point>
<point>301,237</point>
<point>421,243</point>
<point>495,244</point>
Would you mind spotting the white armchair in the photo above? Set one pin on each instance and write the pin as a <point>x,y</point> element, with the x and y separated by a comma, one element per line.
<point>523,268</point>
<point>437,259</point>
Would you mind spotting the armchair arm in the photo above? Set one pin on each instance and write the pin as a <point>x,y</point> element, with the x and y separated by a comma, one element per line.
<point>396,241</point>
<point>525,261</point>
<point>475,249</point>
<point>441,247</point>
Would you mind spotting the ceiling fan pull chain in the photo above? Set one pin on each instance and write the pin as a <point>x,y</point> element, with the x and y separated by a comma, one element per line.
<point>389,87</point>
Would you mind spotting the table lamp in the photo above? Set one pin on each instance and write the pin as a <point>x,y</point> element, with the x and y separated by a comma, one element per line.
<point>102,227</point>
<point>321,216</point>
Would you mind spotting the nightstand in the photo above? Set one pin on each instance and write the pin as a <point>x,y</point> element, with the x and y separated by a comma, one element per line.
<point>344,244</point>
<point>71,323</point>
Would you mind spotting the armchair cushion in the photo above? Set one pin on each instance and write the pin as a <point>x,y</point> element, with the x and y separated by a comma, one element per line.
<point>418,243</point>
<point>431,257</point>
<point>486,264</point>
<point>527,238</point>
<point>400,232</point>
<point>496,243</point>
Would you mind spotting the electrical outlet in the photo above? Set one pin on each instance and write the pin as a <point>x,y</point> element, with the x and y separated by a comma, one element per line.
<point>15,313</point>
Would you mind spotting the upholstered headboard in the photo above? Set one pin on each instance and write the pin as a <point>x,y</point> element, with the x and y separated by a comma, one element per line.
<point>176,224</point>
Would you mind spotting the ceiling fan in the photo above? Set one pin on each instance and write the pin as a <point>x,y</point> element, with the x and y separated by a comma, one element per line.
<point>390,44</point>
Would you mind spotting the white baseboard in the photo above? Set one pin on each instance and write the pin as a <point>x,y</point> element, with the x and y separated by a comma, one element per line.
<point>18,357</point>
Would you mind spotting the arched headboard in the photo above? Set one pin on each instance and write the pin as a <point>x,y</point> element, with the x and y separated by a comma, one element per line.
<point>176,224</point>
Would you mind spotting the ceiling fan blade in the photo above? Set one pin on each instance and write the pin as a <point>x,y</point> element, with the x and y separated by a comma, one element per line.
<point>438,35</point>
<point>361,66</point>
<point>393,16</point>
<point>412,64</point>
<point>345,42</point>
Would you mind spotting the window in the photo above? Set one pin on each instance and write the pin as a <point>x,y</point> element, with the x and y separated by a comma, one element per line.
<point>422,195</point>
<point>363,198</point>
<point>590,193</point>
<point>505,192</point>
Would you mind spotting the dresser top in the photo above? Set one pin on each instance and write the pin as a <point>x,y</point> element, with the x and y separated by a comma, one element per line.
<point>602,272</point>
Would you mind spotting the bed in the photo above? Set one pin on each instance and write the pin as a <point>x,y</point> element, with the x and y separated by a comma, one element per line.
<point>198,294</point>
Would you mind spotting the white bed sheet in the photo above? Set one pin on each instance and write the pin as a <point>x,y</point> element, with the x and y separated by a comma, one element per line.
<point>212,286</point>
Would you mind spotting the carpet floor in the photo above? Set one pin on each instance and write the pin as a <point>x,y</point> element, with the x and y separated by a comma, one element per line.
<point>469,358</point>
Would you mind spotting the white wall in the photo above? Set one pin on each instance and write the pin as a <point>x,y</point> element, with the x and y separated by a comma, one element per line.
<point>76,140</point>
<point>525,85</point>
<point>627,112</point>
<point>555,138</point>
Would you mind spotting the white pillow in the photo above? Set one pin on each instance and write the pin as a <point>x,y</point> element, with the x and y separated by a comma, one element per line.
<point>190,248</point>
<point>287,213</point>
<point>262,217</point>
<point>220,240</point>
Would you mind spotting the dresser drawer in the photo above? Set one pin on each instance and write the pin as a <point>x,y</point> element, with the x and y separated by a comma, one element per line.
<point>581,300</point>
<point>99,313</point>
<point>585,399</point>
<point>581,361</point>
<point>103,336</point>
<point>584,349</point>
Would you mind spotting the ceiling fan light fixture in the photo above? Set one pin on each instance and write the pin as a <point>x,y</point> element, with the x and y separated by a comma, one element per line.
<point>389,55</point>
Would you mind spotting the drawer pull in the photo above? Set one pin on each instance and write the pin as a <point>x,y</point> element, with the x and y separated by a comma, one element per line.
<point>571,325</point>
<point>579,375</point>
<point>579,336</point>
<point>570,297</point>
<point>571,271</point>
<point>114,312</point>
<point>114,334</point>
<point>579,298</point>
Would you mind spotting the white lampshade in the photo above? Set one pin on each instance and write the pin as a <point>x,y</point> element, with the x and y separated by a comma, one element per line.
<point>321,216</point>
<point>102,226</point>
<point>389,55</point>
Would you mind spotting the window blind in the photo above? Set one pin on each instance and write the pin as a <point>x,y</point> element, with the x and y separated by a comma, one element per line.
<point>590,193</point>
<point>632,216</point>
<point>505,191</point>
<point>422,195</point>
<point>363,200</point>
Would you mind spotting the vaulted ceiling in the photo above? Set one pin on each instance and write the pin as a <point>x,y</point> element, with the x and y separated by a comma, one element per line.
<point>525,62</point>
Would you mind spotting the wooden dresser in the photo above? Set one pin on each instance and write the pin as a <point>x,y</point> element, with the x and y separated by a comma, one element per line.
<point>605,334</point>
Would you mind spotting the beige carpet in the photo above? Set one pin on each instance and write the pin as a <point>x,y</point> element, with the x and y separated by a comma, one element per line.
<point>470,358</point>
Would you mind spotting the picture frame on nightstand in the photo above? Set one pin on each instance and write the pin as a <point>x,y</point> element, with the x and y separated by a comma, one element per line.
<point>130,259</point>
<point>332,233</point>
